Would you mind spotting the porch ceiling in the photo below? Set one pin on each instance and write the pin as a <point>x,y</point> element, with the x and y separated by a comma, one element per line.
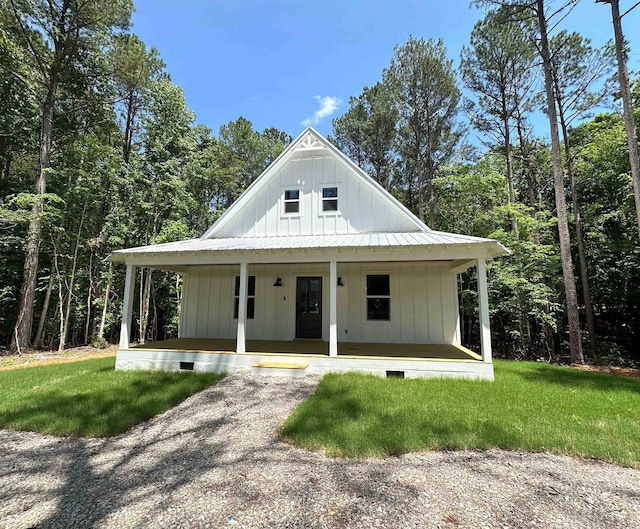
<point>314,347</point>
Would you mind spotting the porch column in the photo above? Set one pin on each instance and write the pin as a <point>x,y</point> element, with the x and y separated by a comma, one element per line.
<point>127,307</point>
<point>483,301</point>
<point>457,338</point>
<point>242,309</point>
<point>333,308</point>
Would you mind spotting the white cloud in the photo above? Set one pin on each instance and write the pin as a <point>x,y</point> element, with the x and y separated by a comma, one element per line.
<point>328,105</point>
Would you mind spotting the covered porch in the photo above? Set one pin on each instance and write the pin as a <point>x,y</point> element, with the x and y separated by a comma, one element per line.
<point>314,347</point>
<point>378,303</point>
<point>300,357</point>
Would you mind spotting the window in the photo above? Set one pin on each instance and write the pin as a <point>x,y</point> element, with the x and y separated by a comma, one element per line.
<point>251,298</point>
<point>378,298</point>
<point>292,201</point>
<point>329,199</point>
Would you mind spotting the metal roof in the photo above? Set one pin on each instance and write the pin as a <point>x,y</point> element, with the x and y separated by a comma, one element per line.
<point>357,240</point>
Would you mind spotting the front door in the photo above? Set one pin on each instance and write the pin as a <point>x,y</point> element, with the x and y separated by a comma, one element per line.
<point>309,307</point>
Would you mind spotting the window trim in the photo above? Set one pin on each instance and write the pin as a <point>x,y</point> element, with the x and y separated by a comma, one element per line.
<point>236,298</point>
<point>371,296</point>
<point>322,199</point>
<point>286,201</point>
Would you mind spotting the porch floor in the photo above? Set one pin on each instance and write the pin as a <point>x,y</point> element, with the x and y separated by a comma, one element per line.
<point>315,347</point>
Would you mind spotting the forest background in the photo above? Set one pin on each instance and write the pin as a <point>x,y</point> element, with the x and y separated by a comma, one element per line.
<point>99,151</point>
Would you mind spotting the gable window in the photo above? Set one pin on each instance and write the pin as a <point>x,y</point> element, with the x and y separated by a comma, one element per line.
<point>378,297</point>
<point>251,298</point>
<point>292,201</point>
<point>329,199</point>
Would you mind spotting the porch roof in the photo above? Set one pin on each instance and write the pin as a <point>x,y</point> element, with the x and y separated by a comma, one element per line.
<point>421,239</point>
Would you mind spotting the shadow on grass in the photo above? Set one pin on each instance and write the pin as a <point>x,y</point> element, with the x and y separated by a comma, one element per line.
<point>366,417</point>
<point>101,403</point>
<point>566,376</point>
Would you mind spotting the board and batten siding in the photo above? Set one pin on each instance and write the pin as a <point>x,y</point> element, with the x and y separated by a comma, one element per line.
<point>361,210</point>
<point>423,303</point>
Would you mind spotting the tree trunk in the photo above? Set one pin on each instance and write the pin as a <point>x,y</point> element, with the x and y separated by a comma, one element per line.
<point>128,134</point>
<point>627,104</point>
<point>43,313</point>
<point>575,344</point>
<point>60,298</point>
<point>72,279</point>
<point>22,331</point>
<point>144,308</point>
<point>88,321</point>
<point>582,258</point>
<point>106,303</point>
<point>509,161</point>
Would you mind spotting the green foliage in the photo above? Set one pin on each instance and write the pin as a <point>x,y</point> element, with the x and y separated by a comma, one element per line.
<point>531,406</point>
<point>89,398</point>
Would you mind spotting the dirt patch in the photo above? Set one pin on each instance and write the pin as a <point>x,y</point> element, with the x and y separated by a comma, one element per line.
<point>612,370</point>
<point>32,358</point>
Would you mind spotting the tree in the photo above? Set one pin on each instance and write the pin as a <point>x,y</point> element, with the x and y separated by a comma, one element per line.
<point>424,87</point>
<point>536,10</point>
<point>55,32</point>
<point>576,68</point>
<point>498,67</point>
<point>367,133</point>
<point>134,69</point>
<point>627,104</point>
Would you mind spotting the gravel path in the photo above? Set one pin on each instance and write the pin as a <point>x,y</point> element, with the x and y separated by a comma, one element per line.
<point>217,455</point>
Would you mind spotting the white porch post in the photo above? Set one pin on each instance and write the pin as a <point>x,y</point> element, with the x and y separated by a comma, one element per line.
<point>457,338</point>
<point>333,308</point>
<point>242,309</point>
<point>127,307</point>
<point>483,301</point>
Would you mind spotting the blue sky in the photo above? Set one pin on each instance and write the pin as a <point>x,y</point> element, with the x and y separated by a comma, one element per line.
<point>284,63</point>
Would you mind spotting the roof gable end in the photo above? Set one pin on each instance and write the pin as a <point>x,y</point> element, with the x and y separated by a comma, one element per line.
<point>309,164</point>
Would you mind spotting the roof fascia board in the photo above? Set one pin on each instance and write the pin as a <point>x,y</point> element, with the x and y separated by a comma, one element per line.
<point>350,255</point>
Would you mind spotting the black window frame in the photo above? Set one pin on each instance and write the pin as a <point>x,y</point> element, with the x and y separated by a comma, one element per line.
<point>330,199</point>
<point>289,202</point>
<point>378,299</point>
<point>251,297</point>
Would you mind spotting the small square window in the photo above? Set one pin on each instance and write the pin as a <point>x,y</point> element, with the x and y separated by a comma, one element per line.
<point>292,201</point>
<point>378,285</point>
<point>329,199</point>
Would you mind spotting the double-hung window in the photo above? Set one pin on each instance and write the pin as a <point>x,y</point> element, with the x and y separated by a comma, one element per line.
<point>330,198</point>
<point>292,201</point>
<point>378,297</point>
<point>251,298</point>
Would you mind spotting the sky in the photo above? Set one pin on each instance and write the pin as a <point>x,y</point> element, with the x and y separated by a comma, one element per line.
<point>288,64</point>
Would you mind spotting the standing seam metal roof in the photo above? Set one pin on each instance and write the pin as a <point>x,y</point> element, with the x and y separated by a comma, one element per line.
<point>388,239</point>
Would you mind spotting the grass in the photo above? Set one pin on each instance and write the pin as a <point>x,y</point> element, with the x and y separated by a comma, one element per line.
<point>530,406</point>
<point>89,398</point>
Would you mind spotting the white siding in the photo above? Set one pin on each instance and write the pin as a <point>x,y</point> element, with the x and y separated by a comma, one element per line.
<point>423,303</point>
<point>361,209</point>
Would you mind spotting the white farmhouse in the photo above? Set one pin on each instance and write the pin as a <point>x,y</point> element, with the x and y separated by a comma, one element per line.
<point>316,268</point>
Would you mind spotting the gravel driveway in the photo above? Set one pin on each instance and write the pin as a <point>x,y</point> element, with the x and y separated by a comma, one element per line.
<point>215,461</point>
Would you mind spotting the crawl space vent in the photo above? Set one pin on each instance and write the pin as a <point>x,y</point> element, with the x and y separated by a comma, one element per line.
<point>186,366</point>
<point>395,374</point>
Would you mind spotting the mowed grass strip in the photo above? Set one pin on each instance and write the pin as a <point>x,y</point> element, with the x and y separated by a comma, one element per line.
<point>89,398</point>
<point>530,406</point>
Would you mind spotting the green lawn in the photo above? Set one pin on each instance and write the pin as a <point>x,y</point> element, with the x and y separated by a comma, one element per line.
<point>530,406</point>
<point>89,398</point>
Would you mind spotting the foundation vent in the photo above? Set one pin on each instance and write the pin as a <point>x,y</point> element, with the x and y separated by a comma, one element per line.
<point>188,366</point>
<point>395,374</point>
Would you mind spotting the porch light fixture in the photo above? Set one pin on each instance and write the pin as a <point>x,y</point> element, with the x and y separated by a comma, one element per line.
<point>278,282</point>
<point>340,283</point>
